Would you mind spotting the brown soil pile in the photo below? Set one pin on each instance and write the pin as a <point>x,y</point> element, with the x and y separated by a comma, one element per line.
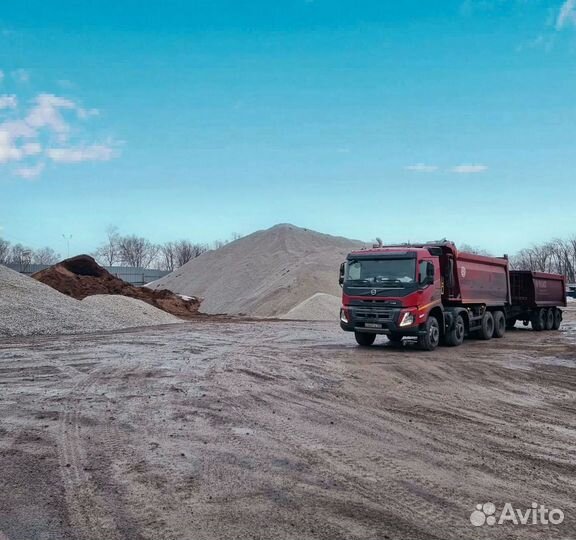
<point>82,276</point>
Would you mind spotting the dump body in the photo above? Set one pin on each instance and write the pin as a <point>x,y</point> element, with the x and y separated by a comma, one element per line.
<point>537,289</point>
<point>479,280</point>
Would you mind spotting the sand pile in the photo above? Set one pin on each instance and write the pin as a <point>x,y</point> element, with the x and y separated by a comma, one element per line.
<point>80,277</point>
<point>265,274</point>
<point>28,307</point>
<point>319,307</point>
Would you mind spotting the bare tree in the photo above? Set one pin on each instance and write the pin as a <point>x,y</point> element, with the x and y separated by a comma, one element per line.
<point>45,256</point>
<point>109,252</point>
<point>137,251</point>
<point>186,251</point>
<point>21,255</point>
<point>4,251</point>
<point>168,256</point>
<point>467,248</point>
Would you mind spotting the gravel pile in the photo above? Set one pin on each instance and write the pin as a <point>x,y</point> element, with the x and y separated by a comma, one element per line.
<point>28,307</point>
<point>264,274</point>
<point>124,309</point>
<point>319,307</point>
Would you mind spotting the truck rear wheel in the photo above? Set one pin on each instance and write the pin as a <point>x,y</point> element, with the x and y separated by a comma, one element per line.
<point>363,339</point>
<point>455,336</point>
<point>549,319</point>
<point>487,329</point>
<point>430,340</point>
<point>557,319</point>
<point>499,324</point>
<point>537,320</point>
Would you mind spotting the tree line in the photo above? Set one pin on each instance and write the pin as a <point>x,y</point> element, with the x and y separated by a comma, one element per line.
<point>557,257</point>
<point>118,250</point>
<point>23,255</point>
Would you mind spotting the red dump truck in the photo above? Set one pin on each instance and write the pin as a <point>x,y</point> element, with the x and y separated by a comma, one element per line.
<point>437,294</point>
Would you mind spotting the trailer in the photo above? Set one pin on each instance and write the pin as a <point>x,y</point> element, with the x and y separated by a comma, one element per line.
<point>536,297</point>
<point>437,294</point>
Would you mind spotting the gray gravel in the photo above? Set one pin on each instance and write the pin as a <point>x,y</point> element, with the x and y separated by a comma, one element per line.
<point>28,307</point>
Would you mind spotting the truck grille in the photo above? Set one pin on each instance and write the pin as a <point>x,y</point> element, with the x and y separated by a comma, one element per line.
<point>369,316</point>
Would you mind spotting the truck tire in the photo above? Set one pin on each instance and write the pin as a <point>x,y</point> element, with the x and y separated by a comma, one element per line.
<point>549,319</point>
<point>363,339</point>
<point>455,336</point>
<point>431,339</point>
<point>487,329</point>
<point>395,338</point>
<point>499,324</point>
<point>557,319</point>
<point>537,320</point>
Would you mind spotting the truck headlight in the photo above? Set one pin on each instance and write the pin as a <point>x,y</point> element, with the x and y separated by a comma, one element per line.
<point>407,319</point>
<point>343,316</point>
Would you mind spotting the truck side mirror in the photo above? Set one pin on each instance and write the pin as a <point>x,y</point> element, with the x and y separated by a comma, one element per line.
<point>341,276</point>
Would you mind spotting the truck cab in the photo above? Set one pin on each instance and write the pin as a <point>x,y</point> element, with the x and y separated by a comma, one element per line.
<point>393,291</point>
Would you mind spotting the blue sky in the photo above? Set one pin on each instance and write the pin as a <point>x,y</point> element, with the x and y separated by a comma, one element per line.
<point>408,120</point>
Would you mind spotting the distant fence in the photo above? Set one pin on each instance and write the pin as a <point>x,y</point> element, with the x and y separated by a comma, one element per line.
<point>135,276</point>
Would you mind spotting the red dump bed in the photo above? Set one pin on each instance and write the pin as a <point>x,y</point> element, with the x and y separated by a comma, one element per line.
<point>481,280</point>
<point>537,289</point>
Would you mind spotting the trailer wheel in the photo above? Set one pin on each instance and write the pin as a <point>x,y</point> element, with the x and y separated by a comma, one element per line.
<point>499,324</point>
<point>487,329</point>
<point>455,336</point>
<point>557,319</point>
<point>549,319</point>
<point>537,320</point>
<point>431,339</point>
<point>363,339</point>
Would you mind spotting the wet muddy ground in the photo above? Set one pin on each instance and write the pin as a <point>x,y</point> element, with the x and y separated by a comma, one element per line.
<point>286,429</point>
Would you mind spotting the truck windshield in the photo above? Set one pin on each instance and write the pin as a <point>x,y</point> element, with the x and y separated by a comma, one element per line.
<point>381,272</point>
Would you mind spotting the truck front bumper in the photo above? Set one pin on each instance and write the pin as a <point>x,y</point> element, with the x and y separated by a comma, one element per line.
<point>377,320</point>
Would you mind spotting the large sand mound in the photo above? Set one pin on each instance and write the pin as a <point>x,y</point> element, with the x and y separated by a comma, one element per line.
<point>81,276</point>
<point>264,274</point>
<point>28,307</point>
<point>319,307</point>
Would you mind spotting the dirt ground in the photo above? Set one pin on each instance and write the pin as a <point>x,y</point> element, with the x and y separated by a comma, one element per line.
<point>269,430</point>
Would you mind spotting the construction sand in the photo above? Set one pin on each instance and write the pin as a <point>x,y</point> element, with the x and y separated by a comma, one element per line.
<point>265,274</point>
<point>28,307</point>
<point>319,307</point>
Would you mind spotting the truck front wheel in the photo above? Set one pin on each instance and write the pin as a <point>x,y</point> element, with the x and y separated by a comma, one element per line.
<point>363,339</point>
<point>430,340</point>
<point>455,336</point>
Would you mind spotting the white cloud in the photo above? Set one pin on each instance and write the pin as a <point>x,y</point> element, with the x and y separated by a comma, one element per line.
<point>29,173</point>
<point>31,149</point>
<point>8,151</point>
<point>469,169</point>
<point>8,102</point>
<point>95,152</point>
<point>422,167</point>
<point>46,113</point>
<point>20,75</point>
<point>566,15</point>
<point>48,129</point>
